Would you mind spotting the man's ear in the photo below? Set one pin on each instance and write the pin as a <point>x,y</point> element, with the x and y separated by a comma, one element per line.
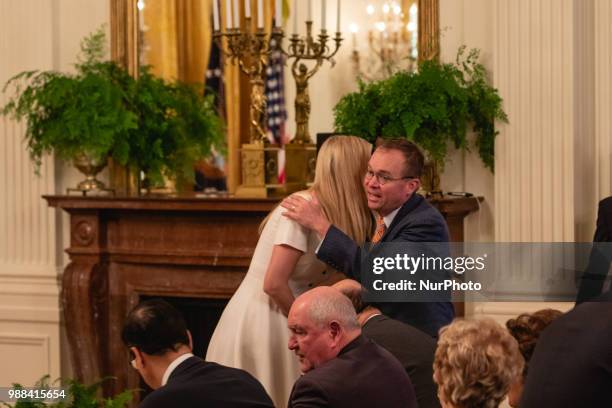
<point>335,330</point>
<point>412,186</point>
<point>139,360</point>
<point>190,340</point>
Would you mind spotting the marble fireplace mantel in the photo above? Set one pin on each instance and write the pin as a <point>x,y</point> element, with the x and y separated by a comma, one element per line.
<point>124,248</point>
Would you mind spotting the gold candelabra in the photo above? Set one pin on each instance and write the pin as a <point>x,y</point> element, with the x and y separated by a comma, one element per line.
<point>301,152</point>
<point>308,49</point>
<point>250,49</point>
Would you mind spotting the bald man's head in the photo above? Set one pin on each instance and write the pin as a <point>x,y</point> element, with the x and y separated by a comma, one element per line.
<point>322,322</point>
<point>325,304</point>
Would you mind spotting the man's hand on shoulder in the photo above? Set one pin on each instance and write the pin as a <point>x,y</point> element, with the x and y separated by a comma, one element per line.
<point>306,213</point>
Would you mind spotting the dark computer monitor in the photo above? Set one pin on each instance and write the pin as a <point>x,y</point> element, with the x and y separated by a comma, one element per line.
<point>322,137</point>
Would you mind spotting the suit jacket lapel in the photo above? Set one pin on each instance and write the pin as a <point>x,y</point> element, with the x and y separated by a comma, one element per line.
<point>408,206</point>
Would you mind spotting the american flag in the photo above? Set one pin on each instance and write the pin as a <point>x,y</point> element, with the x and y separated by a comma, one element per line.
<point>214,76</point>
<point>276,110</point>
<point>275,94</point>
<point>213,84</point>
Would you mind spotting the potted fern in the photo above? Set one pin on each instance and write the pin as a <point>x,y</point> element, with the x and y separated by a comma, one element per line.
<point>81,116</point>
<point>432,107</point>
<point>149,124</point>
<point>77,395</point>
<point>177,126</point>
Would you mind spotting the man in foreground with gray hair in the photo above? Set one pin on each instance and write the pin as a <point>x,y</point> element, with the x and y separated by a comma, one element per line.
<point>341,367</point>
<point>413,348</point>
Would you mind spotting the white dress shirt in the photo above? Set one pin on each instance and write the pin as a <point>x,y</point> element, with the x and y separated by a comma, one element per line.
<point>388,219</point>
<point>173,365</point>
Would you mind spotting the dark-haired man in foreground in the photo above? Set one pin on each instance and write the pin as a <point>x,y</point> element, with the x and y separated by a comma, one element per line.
<point>157,336</point>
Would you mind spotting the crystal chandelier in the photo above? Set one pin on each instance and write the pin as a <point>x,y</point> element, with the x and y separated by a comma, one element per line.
<point>389,41</point>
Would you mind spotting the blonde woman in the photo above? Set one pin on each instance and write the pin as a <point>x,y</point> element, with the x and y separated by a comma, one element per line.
<point>252,332</point>
<point>475,363</point>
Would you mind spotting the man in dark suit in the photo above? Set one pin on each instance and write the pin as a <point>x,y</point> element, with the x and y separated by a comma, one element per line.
<point>572,362</point>
<point>157,337</point>
<point>413,348</point>
<point>341,367</point>
<point>599,262</point>
<point>402,215</point>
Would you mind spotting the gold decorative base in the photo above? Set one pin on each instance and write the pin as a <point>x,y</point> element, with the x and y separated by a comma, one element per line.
<point>269,190</point>
<point>300,164</point>
<point>90,185</point>
<point>259,171</point>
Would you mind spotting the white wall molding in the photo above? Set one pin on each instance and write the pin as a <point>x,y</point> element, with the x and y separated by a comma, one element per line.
<point>551,63</point>
<point>20,282</point>
<point>34,35</point>
<point>29,270</point>
<point>29,355</point>
<point>585,200</point>
<point>603,98</point>
<point>29,314</point>
<point>26,340</point>
<point>469,22</point>
<point>534,72</point>
<point>552,67</point>
<point>27,225</point>
<point>29,299</point>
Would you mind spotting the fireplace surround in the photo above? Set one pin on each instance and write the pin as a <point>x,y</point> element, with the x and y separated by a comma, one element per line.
<point>188,250</point>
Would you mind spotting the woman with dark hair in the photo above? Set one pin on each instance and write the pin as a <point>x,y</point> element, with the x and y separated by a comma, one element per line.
<point>526,329</point>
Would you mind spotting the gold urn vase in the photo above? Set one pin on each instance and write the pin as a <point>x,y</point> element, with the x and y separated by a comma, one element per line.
<point>90,166</point>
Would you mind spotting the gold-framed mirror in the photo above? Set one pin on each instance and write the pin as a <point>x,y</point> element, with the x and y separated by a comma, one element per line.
<point>124,27</point>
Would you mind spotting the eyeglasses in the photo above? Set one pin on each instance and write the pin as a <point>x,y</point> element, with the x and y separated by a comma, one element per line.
<point>383,179</point>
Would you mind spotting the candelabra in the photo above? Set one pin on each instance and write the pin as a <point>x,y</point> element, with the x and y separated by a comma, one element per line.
<point>307,49</point>
<point>250,51</point>
<point>301,153</point>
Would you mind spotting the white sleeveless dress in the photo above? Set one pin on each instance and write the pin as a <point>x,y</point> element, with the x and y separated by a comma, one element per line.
<point>252,333</point>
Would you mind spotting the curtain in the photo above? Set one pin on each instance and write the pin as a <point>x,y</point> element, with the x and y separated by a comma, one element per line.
<point>176,38</point>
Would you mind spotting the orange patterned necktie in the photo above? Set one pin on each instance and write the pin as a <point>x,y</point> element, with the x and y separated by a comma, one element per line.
<point>380,229</point>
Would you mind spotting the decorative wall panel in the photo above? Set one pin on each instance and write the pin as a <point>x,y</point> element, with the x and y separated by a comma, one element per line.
<point>25,354</point>
<point>34,35</point>
<point>533,66</point>
<point>603,98</point>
